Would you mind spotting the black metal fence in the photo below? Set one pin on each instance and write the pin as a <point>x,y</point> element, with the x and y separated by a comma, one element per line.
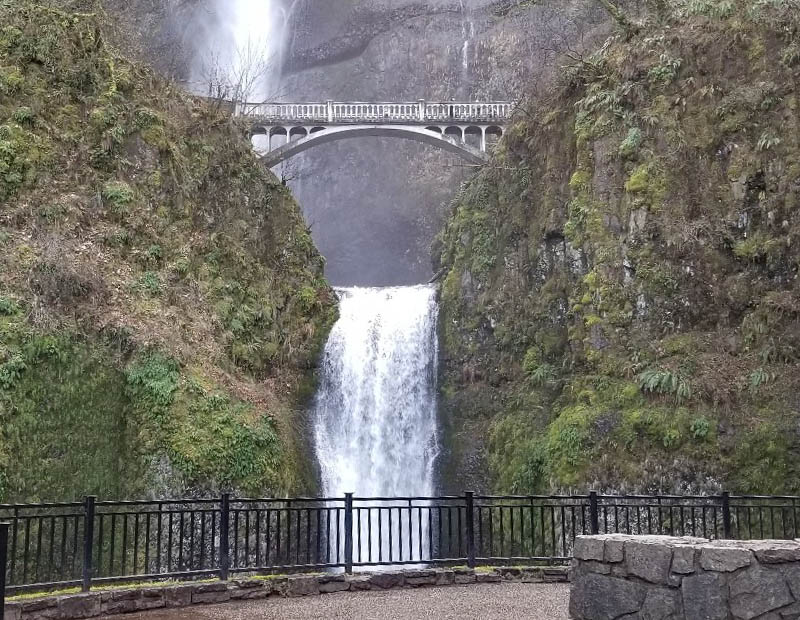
<point>96,542</point>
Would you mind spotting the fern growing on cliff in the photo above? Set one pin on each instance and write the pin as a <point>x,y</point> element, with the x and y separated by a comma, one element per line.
<point>665,382</point>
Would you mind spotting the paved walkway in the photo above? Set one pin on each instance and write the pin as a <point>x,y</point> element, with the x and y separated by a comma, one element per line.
<point>502,601</point>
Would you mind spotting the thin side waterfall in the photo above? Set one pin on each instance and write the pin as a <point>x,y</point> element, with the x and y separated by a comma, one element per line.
<point>375,426</point>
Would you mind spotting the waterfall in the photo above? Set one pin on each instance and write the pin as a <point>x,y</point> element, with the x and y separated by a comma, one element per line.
<point>375,428</point>
<point>243,50</point>
<point>468,35</point>
<point>252,28</point>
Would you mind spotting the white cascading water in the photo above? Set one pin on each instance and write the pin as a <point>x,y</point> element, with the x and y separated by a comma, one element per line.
<point>375,426</point>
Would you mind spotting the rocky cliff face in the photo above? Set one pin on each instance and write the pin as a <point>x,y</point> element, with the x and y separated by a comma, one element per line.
<point>621,303</point>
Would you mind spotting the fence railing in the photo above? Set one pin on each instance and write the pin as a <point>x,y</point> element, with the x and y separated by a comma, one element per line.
<point>96,542</point>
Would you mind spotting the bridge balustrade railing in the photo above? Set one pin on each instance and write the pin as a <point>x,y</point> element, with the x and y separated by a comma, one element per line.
<point>94,542</point>
<point>380,112</point>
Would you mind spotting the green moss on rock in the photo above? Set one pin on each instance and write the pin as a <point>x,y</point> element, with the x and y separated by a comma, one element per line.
<point>666,289</point>
<point>170,271</point>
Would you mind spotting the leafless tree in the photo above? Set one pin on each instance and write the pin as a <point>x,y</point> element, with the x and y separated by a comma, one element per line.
<point>238,77</point>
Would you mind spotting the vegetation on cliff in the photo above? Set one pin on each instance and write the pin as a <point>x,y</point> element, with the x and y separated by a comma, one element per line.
<point>621,304</point>
<point>161,301</point>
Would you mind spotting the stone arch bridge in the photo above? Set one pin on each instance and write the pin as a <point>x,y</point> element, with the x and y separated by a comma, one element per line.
<point>466,129</point>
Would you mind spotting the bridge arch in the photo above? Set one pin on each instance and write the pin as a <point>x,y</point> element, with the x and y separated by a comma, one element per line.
<point>474,136</point>
<point>450,140</point>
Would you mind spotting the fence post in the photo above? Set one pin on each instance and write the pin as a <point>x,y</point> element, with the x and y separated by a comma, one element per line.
<point>224,532</point>
<point>594,513</point>
<point>88,541</point>
<point>726,515</point>
<point>469,498</point>
<point>3,563</point>
<point>348,533</point>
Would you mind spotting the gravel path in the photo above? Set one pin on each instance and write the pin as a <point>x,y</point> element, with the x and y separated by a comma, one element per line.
<point>504,601</point>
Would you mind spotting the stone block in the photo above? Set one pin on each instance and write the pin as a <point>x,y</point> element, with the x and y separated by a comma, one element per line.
<point>756,591</point>
<point>509,574</point>
<point>600,597</point>
<point>792,612</point>
<point>79,605</point>
<point>491,577</point>
<point>151,598</point>
<point>662,604</point>
<point>470,577</point>
<point>619,570</point>
<point>614,550</point>
<point>792,575</point>
<point>724,559</point>
<point>776,551</point>
<point>247,584</point>
<point>648,560</point>
<point>589,548</point>
<point>13,611</point>
<point>445,577</point>
<point>239,593</point>
<point>302,585</point>
<point>704,597</point>
<point>178,596</point>
<point>211,593</point>
<point>216,586</point>
<point>531,575</point>
<point>119,601</point>
<point>38,604</point>
<point>384,581</point>
<point>683,560</point>
<point>359,582</point>
<point>332,583</point>
<point>420,578</point>
<point>601,568</point>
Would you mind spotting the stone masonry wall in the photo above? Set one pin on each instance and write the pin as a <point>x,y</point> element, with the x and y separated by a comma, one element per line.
<point>616,577</point>
<point>132,599</point>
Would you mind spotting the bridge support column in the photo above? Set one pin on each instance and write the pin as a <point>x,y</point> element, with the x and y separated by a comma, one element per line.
<point>329,106</point>
<point>421,110</point>
<point>483,139</point>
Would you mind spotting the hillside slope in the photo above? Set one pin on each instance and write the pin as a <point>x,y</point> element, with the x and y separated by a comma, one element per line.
<point>161,301</point>
<point>621,305</point>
